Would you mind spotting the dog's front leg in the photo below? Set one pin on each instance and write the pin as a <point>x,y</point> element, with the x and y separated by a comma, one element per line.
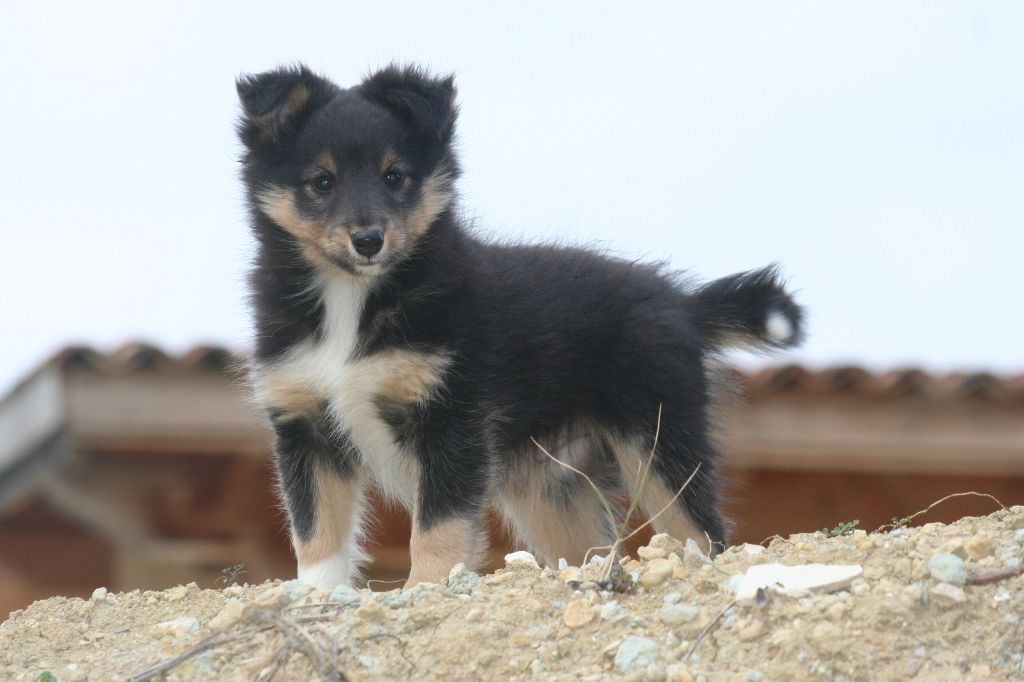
<point>323,493</point>
<point>447,523</point>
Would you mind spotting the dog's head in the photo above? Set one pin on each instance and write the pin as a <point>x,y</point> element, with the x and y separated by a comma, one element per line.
<point>356,176</point>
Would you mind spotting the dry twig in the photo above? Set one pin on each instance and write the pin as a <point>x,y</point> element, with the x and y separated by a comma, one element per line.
<point>900,523</point>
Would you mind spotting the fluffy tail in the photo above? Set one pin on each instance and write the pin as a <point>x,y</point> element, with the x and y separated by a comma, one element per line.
<point>748,309</point>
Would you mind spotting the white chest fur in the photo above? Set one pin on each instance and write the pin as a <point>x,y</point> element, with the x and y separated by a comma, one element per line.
<point>324,370</point>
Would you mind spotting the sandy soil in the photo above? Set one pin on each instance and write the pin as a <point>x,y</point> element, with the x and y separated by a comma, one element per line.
<point>914,613</point>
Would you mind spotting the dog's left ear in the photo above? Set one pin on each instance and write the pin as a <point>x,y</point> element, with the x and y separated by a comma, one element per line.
<point>425,101</point>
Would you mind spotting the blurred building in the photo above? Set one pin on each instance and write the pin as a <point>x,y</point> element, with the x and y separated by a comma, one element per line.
<point>138,470</point>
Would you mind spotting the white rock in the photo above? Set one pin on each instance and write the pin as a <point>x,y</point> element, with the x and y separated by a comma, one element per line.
<point>948,593</point>
<point>99,594</point>
<point>795,581</point>
<point>634,653</point>
<point>179,626</point>
<point>521,560</point>
<point>948,568</point>
<point>461,580</point>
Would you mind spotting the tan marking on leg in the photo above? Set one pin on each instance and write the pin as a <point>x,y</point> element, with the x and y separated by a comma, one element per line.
<point>332,554</point>
<point>655,497</point>
<point>400,376</point>
<point>436,551</point>
<point>278,389</point>
<point>554,531</point>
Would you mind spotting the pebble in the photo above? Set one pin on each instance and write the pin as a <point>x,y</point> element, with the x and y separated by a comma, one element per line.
<point>177,593</point>
<point>578,613</point>
<point>346,596</point>
<point>672,598</point>
<point>978,547</point>
<point>612,611</point>
<point>948,568</point>
<point>179,626</point>
<point>276,596</point>
<point>648,553</point>
<point>521,560</point>
<point>656,572</point>
<point>679,613</point>
<point>693,555</point>
<point>461,580</point>
<point>944,592</point>
<point>1018,536</point>
<point>296,589</point>
<point>635,653</point>
<point>99,594</point>
<point>231,612</point>
<point>665,543</point>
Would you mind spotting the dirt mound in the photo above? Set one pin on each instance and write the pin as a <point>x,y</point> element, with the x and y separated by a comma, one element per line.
<point>915,610</point>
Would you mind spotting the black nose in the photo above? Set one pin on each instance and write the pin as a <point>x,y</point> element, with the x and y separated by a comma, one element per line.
<point>368,242</point>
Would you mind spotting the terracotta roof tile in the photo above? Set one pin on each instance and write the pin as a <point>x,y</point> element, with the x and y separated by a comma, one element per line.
<point>789,379</point>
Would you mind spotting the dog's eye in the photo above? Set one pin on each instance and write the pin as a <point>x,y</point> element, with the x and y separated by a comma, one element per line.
<point>323,183</point>
<point>393,178</point>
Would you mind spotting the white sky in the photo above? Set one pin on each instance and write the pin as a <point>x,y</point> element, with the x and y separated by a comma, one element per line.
<point>875,149</point>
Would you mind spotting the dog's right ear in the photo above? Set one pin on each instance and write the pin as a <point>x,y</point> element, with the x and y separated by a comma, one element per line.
<point>275,104</point>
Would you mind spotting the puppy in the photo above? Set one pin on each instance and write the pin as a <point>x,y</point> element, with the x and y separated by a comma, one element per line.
<point>394,348</point>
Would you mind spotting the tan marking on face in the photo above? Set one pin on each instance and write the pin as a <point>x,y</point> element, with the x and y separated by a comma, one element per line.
<point>655,497</point>
<point>435,551</point>
<point>326,162</point>
<point>400,376</point>
<point>278,204</point>
<point>338,504</point>
<point>388,161</point>
<point>435,196</point>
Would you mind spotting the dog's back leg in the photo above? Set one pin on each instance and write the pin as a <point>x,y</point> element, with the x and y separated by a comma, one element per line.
<point>553,510</point>
<point>694,513</point>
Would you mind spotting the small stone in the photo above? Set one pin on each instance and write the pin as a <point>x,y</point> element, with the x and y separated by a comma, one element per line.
<point>672,598</point>
<point>679,613</point>
<point>612,611</point>
<point>177,593</point>
<point>578,613</point>
<point>231,612</point>
<point>665,543</point>
<point>296,589</point>
<point>370,608</point>
<point>521,560</point>
<point>276,596</point>
<point>346,596</point>
<point>635,653</point>
<point>656,572</point>
<point>748,549</point>
<point>859,586</point>
<point>978,547</point>
<point>948,568</point>
<point>1018,536</point>
<point>733,582</point>
<point>99,594</point>
<point>178,626</point>
<point>753,676</point>
<point>945,592</point>
<point>693,555</point>
<point>461,580</point>
<point>570,574</point>
<point>955,546</point>
<point>648,553</point>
